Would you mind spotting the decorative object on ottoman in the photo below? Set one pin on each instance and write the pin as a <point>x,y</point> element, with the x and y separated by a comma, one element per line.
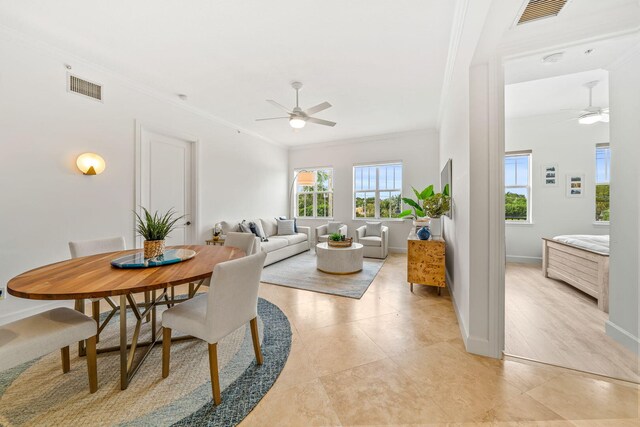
<point>337,240</point>
<point>155,228</point>
<point>423,233</point>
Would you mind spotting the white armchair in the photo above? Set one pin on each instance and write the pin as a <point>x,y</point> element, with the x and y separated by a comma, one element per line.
<point>232,301</point>
<point>374,246</point>
<point>322,232</point>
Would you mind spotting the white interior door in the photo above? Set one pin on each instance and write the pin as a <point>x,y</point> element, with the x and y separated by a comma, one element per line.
<point>166,180</point>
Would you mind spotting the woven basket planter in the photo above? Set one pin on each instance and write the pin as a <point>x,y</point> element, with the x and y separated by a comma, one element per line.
<point>153,248</point>
<point>341,244</point>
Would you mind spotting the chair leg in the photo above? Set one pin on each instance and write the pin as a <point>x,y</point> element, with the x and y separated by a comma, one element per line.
<point>256,340</point>
<point>213,367</point>
<point>95,311</point>
<point>166,351</point>
<point>92,364</point>
<point>66,364</point>
<point>147,300</point>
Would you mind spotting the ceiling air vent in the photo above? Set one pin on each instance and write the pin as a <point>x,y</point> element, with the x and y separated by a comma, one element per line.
<point>84,87</point>
<point>540,9</point>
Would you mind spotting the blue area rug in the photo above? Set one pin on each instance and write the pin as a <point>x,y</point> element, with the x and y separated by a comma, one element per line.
<point>38,393</point>
<point>300,272</point>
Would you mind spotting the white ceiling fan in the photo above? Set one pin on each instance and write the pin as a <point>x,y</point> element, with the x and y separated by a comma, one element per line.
<point>591,114</point>
<point>298,117</point>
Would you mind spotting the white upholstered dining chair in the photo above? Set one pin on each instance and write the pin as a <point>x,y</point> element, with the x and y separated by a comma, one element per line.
<point>82,248</point>
<point>25,339</point>
<point>232,302</point>
<point>244,241</point>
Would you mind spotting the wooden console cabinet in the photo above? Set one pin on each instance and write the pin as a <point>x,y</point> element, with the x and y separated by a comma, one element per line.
<point>426,262</point>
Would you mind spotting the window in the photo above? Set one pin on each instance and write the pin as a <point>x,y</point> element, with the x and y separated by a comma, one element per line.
<point>377,191</point>
<point>517,186</point>
<point>603,165</point>
<point>315,200</point>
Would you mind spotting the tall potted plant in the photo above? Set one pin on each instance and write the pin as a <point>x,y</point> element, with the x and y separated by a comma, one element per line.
<point>155,229</point>
<point>429,204</point>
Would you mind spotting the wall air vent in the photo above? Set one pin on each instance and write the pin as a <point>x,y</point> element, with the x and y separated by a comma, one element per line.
<point>84,87</point>
<point>540,9</point>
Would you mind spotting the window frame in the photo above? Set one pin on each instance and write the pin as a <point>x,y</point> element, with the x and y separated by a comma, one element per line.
<point>375,191</point>
<point>529,187</point>
<point>315,193</point>
<point>606,145</point>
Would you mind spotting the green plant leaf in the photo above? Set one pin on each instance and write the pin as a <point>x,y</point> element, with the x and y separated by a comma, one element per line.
<point>417,193</point>
<point>445,191</point>
<point>405,213</point>
<point>427,193</point>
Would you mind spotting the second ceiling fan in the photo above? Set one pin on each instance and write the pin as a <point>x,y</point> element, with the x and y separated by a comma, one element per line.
<point>298,117</point>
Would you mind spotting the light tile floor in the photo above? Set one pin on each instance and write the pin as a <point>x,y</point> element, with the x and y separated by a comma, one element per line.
<point>396,358</point>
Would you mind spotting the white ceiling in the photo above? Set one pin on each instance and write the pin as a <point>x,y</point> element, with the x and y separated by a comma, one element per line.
<point>555,95</point>
<point>380,63</point>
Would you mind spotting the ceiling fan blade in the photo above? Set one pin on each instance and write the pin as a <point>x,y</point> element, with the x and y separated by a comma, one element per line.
<point>271,118</point>
<point>280,106</point>
<point>317,108</point>
<point>320,121</point>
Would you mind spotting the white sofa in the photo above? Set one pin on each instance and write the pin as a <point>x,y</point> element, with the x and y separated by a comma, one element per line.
<point>277,247</point>
<point>374,246</point>
<point>322,232</point>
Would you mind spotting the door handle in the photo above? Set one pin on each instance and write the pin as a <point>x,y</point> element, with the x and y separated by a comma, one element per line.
<point>188,223</point>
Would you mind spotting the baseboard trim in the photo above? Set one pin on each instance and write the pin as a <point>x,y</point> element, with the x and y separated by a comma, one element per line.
<point>623,336</point>
<point>30,311</point>
<point>472,344</point>
<point>398,250</point>
<point>524,259</point>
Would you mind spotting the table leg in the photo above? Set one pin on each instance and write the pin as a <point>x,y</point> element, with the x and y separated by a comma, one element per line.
<point>124,372</point>
<point>439,291</point>
<point>79,306</point>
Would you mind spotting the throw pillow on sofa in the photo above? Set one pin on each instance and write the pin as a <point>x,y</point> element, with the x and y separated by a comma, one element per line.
<point>285,227</point>
<point>295,223</point>
<point>373,229</point>
<point>256,228</point>
<point>244,227</point>
<point>333,227</point>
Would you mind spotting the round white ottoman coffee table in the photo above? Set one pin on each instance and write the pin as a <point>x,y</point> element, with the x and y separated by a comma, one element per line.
<point>339,260</point>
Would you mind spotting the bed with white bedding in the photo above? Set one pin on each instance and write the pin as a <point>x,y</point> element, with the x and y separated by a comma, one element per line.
<point>580,260</point>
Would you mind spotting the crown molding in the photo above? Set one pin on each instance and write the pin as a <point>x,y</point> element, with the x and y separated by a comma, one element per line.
<point>65,57</point>
<point>363,139</point>
<point>457,28</point>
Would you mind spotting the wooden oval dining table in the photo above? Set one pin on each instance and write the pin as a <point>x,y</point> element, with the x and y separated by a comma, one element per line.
<point>94,277</point>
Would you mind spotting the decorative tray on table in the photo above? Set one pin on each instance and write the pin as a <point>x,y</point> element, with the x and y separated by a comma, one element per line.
<point>137,260</point>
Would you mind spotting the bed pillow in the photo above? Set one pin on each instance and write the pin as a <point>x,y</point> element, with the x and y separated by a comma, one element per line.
<point>285,227</point>
<point>333,227</point>
<point>373,229</point>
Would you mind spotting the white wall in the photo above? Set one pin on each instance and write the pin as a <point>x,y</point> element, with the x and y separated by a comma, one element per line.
<point>554,138</point>
<point>418,152</point>
<point>46,202</point>
<point>624,277</point>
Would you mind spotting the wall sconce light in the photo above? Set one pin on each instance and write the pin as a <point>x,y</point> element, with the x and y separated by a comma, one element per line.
<point>90,164</point>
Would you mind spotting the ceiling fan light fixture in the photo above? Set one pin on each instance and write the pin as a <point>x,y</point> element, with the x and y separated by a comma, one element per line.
<point>591,118</point>
<point>297,122</point>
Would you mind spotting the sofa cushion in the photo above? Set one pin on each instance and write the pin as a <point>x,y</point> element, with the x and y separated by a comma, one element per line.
<point>373,229</point>
<point>371,241</point>
<point>270,226</point>
<point>229,226</point>
<point>244,227</point>
<point>323,238</point>
<point>274,243</point>
<point>285,227</point>
<point>333,227</point>
<point>292,239</point>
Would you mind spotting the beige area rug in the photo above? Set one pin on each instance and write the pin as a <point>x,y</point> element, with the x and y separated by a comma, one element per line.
<point>38,393</point>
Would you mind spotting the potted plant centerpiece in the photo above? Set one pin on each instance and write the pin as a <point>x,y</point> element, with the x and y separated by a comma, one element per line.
<point>155,229</point>
<point>429,204</point>
<point>337,240</point>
